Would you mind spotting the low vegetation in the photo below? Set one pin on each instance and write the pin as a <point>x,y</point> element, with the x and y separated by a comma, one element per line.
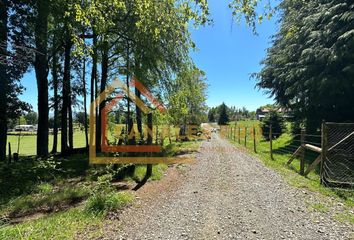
<point>62,196</point>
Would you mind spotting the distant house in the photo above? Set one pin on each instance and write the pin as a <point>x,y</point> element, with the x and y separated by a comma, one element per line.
<point>262,112</point>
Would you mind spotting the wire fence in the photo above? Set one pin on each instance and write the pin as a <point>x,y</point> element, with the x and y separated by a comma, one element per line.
<point>330,152</point>
<point>338,155</point>
<point>278,146</point>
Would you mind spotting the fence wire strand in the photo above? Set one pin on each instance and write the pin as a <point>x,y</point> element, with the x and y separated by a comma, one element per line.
<point>338,164</point>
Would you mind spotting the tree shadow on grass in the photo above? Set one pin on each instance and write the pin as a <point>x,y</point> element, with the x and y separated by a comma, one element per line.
<point>22,177</point>
<point>289,147</point>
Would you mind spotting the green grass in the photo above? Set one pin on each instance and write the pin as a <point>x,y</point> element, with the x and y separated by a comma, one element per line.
<point>102,203</point>
<point>62,225</point>
<point>157,172</point>
<point>245,123</point>
<point>345,217</point>
<point>46,199</point>
<point>319,207</point>
<point>28,143</point>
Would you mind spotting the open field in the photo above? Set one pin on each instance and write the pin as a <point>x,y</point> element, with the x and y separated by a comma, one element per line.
<point>28,143</point>
<point>27,140</point>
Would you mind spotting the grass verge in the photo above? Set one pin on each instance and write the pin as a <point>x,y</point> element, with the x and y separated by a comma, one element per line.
<point>62,225</point>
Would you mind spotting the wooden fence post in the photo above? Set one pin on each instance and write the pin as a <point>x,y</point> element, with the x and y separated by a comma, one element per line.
<point>230,132</point>
<point>302,157</point>
<point>235,133</point>
<point>254,140</point>
<point>271,142</point>
<point>157,135</point>
<point>245,136</point>
<point>239,135</point>
<point>10,156</point>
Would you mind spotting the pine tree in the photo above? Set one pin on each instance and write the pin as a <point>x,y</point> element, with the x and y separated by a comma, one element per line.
<point>223,117</point>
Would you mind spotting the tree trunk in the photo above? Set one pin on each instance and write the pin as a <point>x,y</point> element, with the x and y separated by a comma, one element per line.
<point>66,99</point>
<point>56,105</point>
<point>148,166</point>
<point>149,142</point>
<point>71,127</point>
<point>4,81</point>
<point>128,100</point>
<point>93,71</point>
<point>85,95</point>
<point>104,76</point>
<point>138,115</point>
<point>40,66</point>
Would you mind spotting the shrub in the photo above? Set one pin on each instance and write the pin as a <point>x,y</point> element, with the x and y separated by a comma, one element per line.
<point>104,198</point>
<point>101,203</point>
<point>45,188</point>
<point>278,124</point>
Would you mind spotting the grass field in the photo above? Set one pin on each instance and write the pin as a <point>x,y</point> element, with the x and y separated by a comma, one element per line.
<point>28,143</point>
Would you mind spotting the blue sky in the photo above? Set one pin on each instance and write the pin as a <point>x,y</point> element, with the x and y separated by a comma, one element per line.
<point>228,53</point>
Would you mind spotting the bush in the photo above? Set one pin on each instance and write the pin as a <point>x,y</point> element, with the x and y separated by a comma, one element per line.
<point>104,198</point>
<point>278,125</point>
<point>101,203</point>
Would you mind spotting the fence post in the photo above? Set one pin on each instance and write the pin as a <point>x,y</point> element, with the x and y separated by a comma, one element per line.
<point>245,136</point>
<point>239,135</point>
<point>271,142</point>
<point>254,140</point>
<point>235,133</point>
<point>157,133</point>
<point>10,157</point>
<point>230,133</point>
<point>324,141</point>
<point>302,157</point>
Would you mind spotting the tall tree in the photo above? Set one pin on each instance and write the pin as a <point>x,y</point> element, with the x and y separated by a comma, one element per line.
<point>309,69</point>
<point>55,101</point>
<point>40,66</point>
<point>85,100</point>
<point>15,58</point>
<point>223,117</point>
<point>66,96</point>
<point>4,78</point>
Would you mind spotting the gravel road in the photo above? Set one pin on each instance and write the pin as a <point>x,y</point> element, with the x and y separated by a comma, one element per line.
<point>225,194</point>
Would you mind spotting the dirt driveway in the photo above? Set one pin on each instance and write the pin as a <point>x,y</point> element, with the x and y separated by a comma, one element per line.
<point>225,194</point>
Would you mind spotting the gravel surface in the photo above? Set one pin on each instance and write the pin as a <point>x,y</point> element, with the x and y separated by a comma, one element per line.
<point>225,194</point>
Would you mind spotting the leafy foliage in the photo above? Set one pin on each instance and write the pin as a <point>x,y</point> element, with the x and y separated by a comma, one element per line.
<point>223,117</point>
<point>249,11</point>
<point>187,97</point>
<point>309,69</point>
<point>234,113</point>
<point>105,199</point>
<point>274,119</point>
